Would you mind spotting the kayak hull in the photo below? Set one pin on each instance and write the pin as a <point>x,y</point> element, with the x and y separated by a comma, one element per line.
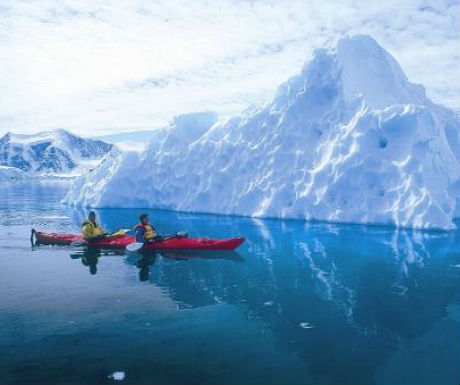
<point>120,242</point>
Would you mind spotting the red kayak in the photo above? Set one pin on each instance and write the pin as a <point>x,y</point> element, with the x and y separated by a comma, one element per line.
<point>120,242</point>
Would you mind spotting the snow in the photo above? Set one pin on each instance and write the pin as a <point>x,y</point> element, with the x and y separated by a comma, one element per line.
<point>349,139</point>
<point>130,141</point>
<point>11,174</point>
<point>28,139</point>
<point>52,153</point>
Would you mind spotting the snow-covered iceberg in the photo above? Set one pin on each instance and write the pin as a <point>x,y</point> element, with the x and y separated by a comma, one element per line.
<point>349,139</point>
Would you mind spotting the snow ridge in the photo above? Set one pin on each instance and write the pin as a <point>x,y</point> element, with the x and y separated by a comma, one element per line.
<point>51,153</point>
<point>349,139</point>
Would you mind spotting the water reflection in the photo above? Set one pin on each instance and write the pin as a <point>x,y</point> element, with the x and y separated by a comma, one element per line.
<point>344,299</point>
<point>368,280</point>
<point>89,257</point>
<point>145,260</point>
<point>363,292</point>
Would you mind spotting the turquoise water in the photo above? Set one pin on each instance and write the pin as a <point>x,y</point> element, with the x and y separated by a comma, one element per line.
<point>297,304</point>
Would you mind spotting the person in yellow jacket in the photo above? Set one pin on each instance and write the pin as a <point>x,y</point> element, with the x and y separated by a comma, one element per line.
<point>91,229</point>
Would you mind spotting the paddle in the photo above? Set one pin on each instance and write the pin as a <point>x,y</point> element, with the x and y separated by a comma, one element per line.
<point>118,233</point>
<point>136,246</point>
<point>77,244</point>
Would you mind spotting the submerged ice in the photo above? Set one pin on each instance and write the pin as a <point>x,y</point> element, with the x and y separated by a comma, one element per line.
<point>349,139</point>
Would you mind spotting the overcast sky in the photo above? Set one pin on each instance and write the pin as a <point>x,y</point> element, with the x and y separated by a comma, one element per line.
<point>98,67</point>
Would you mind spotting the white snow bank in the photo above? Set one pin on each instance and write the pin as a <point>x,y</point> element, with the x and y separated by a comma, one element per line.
<point>11,174</point>
<point>349,139</point>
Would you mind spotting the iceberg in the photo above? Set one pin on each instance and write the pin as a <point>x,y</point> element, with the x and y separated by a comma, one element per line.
<point>349,139</point>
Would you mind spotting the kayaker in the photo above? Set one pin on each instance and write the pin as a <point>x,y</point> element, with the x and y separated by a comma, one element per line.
<point>145,232</point>
<point>91,229</point>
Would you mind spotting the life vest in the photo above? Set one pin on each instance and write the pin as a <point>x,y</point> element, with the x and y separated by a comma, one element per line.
<point>149,231</point>
<point>90,229</point>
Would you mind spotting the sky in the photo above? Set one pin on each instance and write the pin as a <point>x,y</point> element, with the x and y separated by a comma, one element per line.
<point>109,66</point>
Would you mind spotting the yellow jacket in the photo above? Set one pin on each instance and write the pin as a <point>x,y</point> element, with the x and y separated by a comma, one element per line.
<point>91,230</point>
<point>144,233</point>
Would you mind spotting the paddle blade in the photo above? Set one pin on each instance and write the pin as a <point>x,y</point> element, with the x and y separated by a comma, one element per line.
<point>135,246</point>
<point>78,244</point>
<point>119,233</point>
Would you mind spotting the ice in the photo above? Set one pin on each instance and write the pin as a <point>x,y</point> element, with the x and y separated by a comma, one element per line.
<point>306,325</point>
<point>117,376</point>
<point>349,139</point>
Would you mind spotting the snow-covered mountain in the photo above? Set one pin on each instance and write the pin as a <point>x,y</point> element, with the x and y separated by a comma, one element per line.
<point>51,153</point>
<point>349,139</point>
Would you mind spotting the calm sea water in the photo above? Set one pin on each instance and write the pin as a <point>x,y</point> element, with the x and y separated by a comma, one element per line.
<point>297,304</point>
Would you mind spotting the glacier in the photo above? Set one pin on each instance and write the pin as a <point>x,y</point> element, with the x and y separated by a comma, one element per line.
<point>349,139</point>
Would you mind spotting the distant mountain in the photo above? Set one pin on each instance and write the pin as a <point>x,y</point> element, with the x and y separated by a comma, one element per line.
<point>51,153</point>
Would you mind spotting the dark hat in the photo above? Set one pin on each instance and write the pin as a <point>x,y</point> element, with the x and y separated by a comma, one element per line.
<point>143,216</point>
<point>91,213</point>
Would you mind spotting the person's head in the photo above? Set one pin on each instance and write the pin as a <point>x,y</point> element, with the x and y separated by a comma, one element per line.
<point>144,218</point>
<point>92,216</point>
